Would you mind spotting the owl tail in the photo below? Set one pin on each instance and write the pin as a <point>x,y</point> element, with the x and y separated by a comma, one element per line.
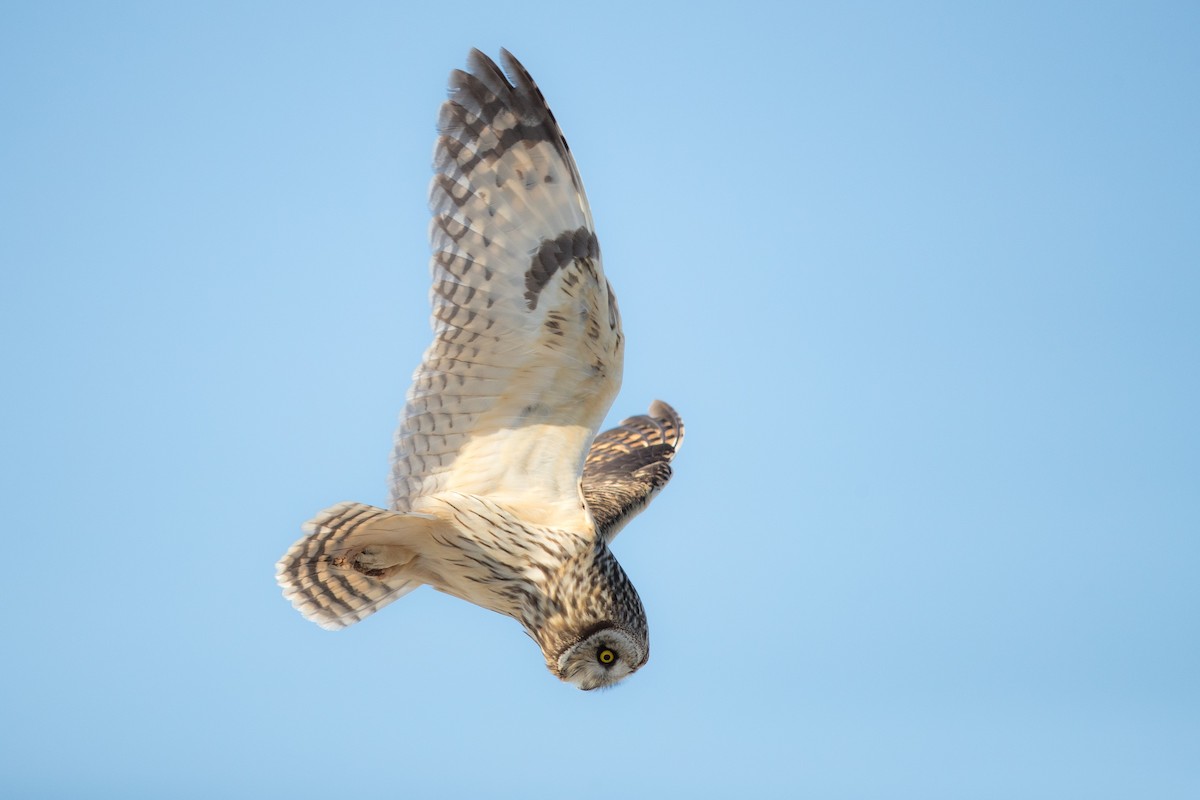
<point>351,562</point>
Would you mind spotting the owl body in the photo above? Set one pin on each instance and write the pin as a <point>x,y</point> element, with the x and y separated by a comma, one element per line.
<point>502,493</point>
<point>557,583</point>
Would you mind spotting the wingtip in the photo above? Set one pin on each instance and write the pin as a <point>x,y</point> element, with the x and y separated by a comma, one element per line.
<point>663,412</point>
<point>511,65</point>
<point>476,57</point>
<point>661,409</point>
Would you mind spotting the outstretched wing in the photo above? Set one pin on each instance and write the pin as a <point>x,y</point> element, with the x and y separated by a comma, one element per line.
<point>527,349</point>
<point>628,465</point>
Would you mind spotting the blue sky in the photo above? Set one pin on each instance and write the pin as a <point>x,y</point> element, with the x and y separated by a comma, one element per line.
<point>922,279</point>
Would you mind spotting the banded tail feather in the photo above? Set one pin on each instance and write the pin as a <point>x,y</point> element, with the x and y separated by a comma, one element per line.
<point>351,563</point>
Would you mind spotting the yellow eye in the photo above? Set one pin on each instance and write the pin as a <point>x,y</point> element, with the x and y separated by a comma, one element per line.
<point>607,656</point>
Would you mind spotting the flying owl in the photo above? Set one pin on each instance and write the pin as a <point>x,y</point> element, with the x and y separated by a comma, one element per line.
<point>502,493</point>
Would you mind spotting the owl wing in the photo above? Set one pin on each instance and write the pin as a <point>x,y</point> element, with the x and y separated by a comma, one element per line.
<point>628,465</point>
<point>527,350</point>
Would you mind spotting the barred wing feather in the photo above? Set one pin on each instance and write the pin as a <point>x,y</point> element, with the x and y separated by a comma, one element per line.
<point>527,349</point>
<point>628,465</point>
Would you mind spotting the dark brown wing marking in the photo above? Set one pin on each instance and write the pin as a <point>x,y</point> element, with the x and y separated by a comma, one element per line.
<point>627,466</point>
<point>553,255</point>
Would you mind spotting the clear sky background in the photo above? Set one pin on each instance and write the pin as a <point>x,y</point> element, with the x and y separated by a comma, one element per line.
<point>922,278</point>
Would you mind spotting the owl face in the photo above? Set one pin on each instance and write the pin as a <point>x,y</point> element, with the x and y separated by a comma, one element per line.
<point>606,655</point>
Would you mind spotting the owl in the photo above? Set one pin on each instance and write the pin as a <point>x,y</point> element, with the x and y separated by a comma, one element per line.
<point>502,493</point>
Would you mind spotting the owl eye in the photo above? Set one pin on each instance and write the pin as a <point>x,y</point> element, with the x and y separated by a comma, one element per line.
<point>607,656</point>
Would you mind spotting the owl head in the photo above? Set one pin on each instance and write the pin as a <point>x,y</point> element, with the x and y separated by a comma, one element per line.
<point>603,655</point>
